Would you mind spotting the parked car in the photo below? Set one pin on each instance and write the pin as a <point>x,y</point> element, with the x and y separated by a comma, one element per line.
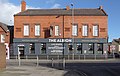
<point>117,55</point>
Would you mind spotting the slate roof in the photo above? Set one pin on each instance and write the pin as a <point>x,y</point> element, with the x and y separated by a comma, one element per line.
<point>4,27</point>
<point>117,40</point>
<point>51,12</point>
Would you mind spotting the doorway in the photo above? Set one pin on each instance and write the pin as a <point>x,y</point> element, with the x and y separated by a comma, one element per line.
<point>21,50</point>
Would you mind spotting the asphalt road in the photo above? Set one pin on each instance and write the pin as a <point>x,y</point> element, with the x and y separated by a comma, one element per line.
<point>94,69</point>
<point>78,68</point>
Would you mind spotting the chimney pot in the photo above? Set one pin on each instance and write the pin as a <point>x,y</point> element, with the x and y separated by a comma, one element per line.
<point>67,8</point>
<point>23,5</point>
<point>101,7</point>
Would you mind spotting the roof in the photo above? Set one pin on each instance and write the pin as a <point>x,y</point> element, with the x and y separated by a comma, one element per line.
<point>116,41</point>
<point>49,12</point>
<point>4,26</point>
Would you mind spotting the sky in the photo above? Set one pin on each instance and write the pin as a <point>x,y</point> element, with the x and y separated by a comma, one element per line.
<point>10,7</point>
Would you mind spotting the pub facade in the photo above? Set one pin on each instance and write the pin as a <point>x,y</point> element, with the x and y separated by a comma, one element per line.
<point>59,33</point>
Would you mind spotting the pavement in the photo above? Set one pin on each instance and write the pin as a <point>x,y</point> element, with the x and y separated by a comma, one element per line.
<point>29,67</point>
<point>31,71</point>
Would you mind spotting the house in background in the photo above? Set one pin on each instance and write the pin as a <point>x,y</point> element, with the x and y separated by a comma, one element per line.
<point>115,45</point>
<point>5,37</point>
<point>11,29</point>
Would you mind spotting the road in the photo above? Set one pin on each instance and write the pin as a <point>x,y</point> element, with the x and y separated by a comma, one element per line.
<point>74,68</point>
<point>95,69</point>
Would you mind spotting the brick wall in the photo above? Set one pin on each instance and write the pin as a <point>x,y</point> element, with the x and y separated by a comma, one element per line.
<point>2,56</point>
<point>6,34</point>
<point>46,21</point>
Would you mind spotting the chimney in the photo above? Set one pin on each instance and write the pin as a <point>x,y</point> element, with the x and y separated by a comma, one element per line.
<point>23,6</point>
<point>101,7</point>
<point>67,8</point>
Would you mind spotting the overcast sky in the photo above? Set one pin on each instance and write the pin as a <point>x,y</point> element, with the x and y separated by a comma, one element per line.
<point>10,7</point>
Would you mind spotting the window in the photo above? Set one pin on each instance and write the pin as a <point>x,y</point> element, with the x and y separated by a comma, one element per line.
<point>70,47</point>
<point>26,30</point>
<point>32,48</point>
<point>95,30</point>
<point>51,30</point>
<point>37,30</point>
<point>79,48</point>
<point>85,30</point>
<point>100,48</point>
<point>91,48</point>
<point>74,30</point>
<point>2,38</point>
<point>56,30</point>
<point>43,48</point>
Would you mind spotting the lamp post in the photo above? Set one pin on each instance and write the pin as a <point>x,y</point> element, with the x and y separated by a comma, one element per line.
<point>72,28</point>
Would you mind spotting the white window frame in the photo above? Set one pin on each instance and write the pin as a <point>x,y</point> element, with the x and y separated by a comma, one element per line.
<point>56,30</point>
<point>2,38</point>
<point>85,30</point>
<point>95,30</point>
<point>26,30</point>
<point>75,30</point>
<point>37,30</point>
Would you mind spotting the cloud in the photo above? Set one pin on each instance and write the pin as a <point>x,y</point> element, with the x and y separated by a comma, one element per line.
<point>8,10</point>
<point>3,1</point>
<point>56,6</point>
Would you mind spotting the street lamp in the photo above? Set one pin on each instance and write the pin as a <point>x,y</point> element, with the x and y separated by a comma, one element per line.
<point>72,28</point>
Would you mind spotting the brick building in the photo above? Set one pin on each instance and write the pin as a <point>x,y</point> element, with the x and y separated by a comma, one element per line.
<point>5,37</point>
<point>60,32</point>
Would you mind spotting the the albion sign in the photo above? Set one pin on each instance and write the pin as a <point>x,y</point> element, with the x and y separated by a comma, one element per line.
<point>60,40</point>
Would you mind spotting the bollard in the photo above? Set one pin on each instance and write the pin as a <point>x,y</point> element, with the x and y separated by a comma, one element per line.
<point>47,57</point>
<point>52,62</point>
<point>68,57</point>
<point>63,63</point>
<point>19,60</point>
<point>84,57</point>
<point>26,57</point>
<point>37,61</point>
<point>79,57</point>
<point>95,56</point>
<point>58,57</point>
<point>73,57</point>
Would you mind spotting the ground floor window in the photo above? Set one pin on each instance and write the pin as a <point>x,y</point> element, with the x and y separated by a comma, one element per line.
<point>43,48</point>
<point>91,48</point>
<point>32,48</point>
<point>70,48</point>
<point>79,48</point>
<point>100,48</point>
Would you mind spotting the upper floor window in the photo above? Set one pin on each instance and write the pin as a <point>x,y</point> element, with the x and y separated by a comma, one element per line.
<point>37,30</point>
<point>51,30</point>
<point>85,30</point>
<point>95,30</point>
<point>26,30</point>
<point>56,30</point>
<point>74,30</point>
<point>2,38</point>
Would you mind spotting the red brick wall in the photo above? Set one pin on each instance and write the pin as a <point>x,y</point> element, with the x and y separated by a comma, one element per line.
<point>46,21</point>
<point>7,35</point>
<point>2,56</point>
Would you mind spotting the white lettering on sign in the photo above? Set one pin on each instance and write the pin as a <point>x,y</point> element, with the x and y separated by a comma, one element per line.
<point>60,40</point>
<point>56,51</point>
